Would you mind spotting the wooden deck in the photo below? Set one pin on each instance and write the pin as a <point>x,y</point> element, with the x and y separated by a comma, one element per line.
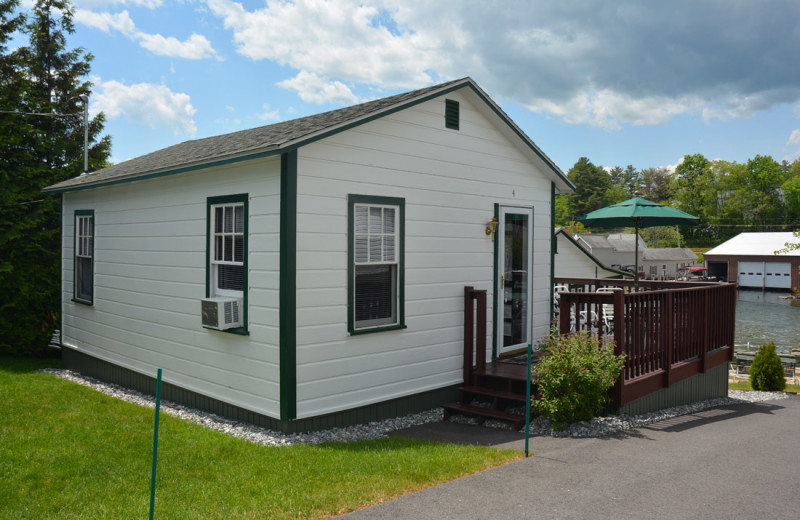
<point>668,331</point>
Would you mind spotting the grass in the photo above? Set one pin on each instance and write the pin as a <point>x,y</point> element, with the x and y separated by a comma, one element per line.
<point>70,452</point>
<point>745,385</point>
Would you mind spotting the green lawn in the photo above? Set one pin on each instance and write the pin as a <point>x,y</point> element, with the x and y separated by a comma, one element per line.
<point>67,451</point>
<point>745,385</point>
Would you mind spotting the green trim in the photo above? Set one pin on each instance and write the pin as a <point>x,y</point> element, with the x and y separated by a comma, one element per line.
<point>352,200</point>
<point>164,173</point>
<point>243,198</point>
<point>288,287</point>
<point>589,255</point>
<point>81,213</point>
<point>294,145</point>
<point>495,287</point>
<point>553,248</point>
<point>106,371</point>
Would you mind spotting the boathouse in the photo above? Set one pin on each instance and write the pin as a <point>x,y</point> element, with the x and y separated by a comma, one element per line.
<point>752,260</point>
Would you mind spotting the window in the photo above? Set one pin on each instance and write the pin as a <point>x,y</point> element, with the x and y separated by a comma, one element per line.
<point>227,249</point>
<point>83,290</point>
<point>375,252</point>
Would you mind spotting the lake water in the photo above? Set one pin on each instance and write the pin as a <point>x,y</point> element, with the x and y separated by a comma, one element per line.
<point>764,316</point>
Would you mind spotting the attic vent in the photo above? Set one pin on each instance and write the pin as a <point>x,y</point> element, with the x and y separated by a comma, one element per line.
<point>451,117</point>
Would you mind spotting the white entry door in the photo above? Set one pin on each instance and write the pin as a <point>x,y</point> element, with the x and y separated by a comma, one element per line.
<point>514,278</point>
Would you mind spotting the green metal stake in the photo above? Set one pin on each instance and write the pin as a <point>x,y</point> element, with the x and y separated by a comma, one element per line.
<point>155,447</point>
<point>528,401</point>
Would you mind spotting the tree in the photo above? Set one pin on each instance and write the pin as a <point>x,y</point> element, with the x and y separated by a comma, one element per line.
<point>791,193</point>
<point>660,236</point>
<point>656,184</point>
<point>38,151</point>
<point>591,185</point>
<point>756,192</point>
<point>690,175</point>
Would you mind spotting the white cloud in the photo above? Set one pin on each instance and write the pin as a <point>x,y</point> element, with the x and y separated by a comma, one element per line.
<point>195,48</point>
<point>94,4</point>
<point>155,106</point>
<point>793,145</point>
<point>588,63</point>
<point>672,167</point>
<point>106,21</point>
<point>269,115</point>
<point>337,38</point>
<point>607,109</point>
<point>315,89</point>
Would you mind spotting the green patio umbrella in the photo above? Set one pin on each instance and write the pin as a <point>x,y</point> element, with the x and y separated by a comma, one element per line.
<point>639,213</point>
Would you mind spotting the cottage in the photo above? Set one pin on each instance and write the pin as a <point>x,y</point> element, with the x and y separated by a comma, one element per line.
<point>666,263</point>
<point>311,273</point>
<point>573,260</point>
<point>656,263</point>
<point>615,249</point>
<point>750,259</point>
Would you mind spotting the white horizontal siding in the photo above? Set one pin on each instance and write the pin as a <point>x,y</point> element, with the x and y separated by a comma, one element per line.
<point>450,181</point>
<point>150,269</point>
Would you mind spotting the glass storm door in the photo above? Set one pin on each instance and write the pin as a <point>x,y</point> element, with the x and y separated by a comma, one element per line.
<point>514,278</point>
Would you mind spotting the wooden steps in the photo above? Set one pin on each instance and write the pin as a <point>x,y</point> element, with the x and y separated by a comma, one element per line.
<point>497,388</point>
<point>483,413</point>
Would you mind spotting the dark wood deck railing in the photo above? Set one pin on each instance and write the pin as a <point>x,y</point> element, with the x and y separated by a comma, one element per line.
<point>474,332</point>
<point>668,330</point>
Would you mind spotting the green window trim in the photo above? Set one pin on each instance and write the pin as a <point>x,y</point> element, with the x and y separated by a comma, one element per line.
<point>399,252</point>
<point>83,248</point>
<point>243,199</point>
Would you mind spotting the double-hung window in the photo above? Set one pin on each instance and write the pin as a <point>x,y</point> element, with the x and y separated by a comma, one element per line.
<point>375,271</point>
<point>227,248</point>
<point>83,290</point>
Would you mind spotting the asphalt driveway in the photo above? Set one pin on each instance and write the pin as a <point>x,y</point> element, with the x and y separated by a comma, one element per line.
<point>736,461</point>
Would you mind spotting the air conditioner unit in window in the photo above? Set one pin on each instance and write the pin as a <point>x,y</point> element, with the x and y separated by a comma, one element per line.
<point>222,313</point>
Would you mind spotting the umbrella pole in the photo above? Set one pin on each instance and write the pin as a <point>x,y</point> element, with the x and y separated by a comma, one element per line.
<point>636,257</point>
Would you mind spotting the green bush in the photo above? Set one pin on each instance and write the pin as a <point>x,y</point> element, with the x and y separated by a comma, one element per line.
<point>766,374</point>
<point>573,378</point>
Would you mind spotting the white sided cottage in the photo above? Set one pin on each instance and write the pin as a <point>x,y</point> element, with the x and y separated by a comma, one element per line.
<point>339,246</point>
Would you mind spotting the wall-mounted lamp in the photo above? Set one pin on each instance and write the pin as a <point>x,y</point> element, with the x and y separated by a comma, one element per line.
<point>491,227</point>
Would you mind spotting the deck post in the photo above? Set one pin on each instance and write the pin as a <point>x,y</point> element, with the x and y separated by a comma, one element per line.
<point>469,322</point>
<point>706,329</point>
<point>563,314</point>
<point>619,344</point>
<point>669,326</point>
<point>480,344</point>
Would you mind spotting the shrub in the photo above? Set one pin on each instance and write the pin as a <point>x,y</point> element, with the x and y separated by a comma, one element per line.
<point>766,374</point>
<point>573,378</point>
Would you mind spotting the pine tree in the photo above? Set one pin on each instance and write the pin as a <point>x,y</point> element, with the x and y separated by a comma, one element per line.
<point>46,78</point>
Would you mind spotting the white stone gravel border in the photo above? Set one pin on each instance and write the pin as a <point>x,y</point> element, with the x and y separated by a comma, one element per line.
<point>598,427</point>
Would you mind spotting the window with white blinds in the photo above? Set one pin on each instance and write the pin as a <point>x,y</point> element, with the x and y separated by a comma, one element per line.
<point>376,263</point>
<point>228,245</point>
<point>84,256</point>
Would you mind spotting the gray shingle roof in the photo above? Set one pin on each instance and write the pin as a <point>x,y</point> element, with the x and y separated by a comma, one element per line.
<point>249,141</point>
<point>275,138</point>
<point>669,253</point>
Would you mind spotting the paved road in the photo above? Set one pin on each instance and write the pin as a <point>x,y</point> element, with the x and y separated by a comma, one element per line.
<point>738,461</point>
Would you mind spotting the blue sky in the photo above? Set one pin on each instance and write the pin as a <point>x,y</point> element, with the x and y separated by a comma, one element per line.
<point>621,82</point>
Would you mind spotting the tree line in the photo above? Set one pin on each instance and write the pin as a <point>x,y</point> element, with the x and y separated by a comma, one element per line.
<point>727,197</point>
<point>41,143</point>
